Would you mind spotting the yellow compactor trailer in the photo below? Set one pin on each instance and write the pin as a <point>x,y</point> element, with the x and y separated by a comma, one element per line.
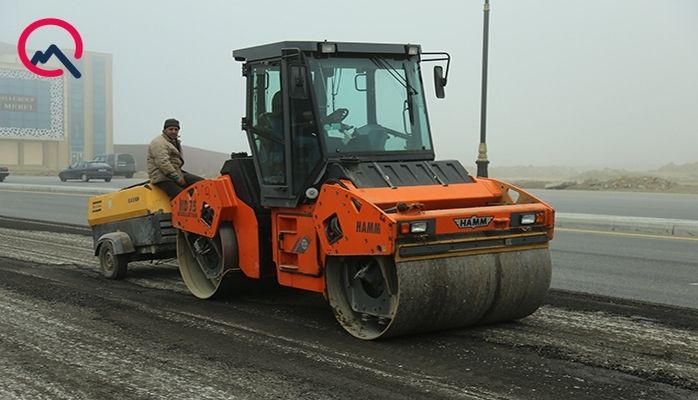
<point>133,224</point>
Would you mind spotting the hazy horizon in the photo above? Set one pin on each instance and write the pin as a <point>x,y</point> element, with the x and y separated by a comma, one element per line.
<point>570,83</point>
<point>472,168</point>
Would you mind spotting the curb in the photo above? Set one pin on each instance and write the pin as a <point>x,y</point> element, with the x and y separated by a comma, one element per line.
<point>55,189</point>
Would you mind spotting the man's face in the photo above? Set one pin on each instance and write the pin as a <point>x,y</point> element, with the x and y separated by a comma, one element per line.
<point>172,131</point>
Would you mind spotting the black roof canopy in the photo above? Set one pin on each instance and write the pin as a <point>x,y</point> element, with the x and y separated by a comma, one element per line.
<point>272,50</point>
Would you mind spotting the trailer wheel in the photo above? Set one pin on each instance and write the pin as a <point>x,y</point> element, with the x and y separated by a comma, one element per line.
<point>113,265</point>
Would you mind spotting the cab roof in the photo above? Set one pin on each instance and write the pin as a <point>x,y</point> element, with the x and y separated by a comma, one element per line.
<point>273,50</point>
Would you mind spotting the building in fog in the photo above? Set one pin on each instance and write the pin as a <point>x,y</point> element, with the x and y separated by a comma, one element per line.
<point>47,123</point>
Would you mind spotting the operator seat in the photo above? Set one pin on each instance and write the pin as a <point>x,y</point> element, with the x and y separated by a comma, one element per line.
<point>273,121</point>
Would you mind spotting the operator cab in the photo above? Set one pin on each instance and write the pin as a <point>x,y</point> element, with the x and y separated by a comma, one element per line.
<point>311,105</point>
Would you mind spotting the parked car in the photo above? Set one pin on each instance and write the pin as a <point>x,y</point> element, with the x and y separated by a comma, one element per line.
<point>4,172</point>
<point>86,170</point>
<point>124,164</point>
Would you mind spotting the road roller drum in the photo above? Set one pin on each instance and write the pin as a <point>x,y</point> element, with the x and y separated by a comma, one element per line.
<point>445,293</point>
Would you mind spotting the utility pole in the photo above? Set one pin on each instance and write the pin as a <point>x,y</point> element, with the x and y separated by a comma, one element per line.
<point>482,160</point>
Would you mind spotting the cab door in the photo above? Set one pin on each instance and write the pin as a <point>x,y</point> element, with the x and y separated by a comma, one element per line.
<point>266,127</point>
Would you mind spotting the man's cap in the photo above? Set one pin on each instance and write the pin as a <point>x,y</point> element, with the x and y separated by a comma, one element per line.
<point>171,122</point>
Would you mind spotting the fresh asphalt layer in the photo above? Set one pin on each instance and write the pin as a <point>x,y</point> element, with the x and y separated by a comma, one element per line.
<point>590,222</point>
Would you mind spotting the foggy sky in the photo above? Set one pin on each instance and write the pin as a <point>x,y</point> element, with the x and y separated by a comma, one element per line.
<point>574,83</point>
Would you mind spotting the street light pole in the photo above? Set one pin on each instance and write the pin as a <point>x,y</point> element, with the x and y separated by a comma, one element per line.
<point>482,160</point>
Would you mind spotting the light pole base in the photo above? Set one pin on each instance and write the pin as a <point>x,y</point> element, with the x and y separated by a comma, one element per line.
<point>482,161</point>
<point>482,168</point>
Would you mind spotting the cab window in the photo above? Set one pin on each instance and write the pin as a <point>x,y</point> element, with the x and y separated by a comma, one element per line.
<point>268,123</point>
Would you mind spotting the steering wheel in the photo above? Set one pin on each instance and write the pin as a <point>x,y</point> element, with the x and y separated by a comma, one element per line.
<point>335,116</point>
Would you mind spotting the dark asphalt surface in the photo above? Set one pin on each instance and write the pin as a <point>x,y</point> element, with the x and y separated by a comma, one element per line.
<point>69,333</point>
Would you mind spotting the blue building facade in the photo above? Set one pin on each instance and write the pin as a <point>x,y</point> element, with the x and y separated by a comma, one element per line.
<point>47,123</point>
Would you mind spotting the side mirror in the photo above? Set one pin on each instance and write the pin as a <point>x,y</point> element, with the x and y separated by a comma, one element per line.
<point>298,85</point>
<point>439,82</point>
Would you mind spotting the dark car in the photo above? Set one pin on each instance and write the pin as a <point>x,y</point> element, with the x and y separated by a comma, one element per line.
<point>124,164</point>
<point>4,171</point>
<point>86,170</point>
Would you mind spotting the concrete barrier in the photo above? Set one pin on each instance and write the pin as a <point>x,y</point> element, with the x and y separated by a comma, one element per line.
<point>592,222</point>
<point>612,223</point>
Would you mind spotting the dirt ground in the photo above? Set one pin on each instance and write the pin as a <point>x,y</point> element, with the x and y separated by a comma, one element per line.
<point>670,178</point>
